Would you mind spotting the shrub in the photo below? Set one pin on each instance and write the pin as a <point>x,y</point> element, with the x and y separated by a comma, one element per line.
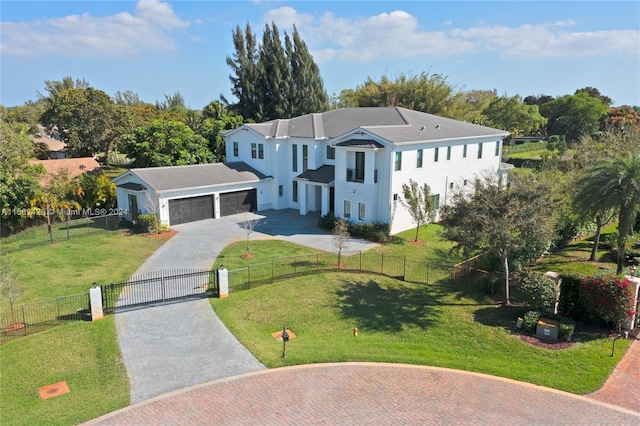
<point>566,329</point>
<point>610,298</point>
<point>537,291</point>
<point>530,321</point>
<point>147,223</point>
<point>327,221</point>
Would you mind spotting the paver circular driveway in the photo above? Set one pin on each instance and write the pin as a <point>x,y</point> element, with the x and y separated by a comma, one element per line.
<point>369,393</point>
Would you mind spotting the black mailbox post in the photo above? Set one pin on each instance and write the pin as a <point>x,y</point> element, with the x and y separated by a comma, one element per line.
<point>285,339</point>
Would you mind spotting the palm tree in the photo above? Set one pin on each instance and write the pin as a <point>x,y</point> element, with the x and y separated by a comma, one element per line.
<point>615,183</point>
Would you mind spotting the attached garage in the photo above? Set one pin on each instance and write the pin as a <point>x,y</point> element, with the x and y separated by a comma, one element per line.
<point>190,209</point>
<point>238,202</point>
<point>182,194</point>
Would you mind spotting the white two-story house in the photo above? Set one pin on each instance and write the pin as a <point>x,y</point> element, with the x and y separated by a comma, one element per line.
<point>350,161</point>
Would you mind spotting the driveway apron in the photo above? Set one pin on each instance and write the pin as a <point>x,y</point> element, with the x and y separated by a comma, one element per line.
<point>174,346</point>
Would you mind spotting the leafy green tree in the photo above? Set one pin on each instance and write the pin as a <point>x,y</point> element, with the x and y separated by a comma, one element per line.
<point>512,115</point>
<point>427,93</point>
<point>10,287</point>
<point>504,219</point>
<point>166,143</point>
<point>615,184</point>
<point>87,120</point>
<point>55,87</point>
<point>19,179</point>
<point>341,237</point>
<point>127,98</point>
<point>419,202</point>
<point>574,115</point>
<point>471,104</point>
<point>595,93</point>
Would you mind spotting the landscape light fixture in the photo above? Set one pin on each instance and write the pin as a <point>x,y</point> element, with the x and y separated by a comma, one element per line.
<point>285,339</point>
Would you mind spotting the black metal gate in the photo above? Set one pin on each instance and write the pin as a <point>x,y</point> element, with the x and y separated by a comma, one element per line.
<point>158,288</point>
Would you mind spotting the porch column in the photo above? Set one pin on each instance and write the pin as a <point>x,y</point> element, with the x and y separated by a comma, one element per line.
<point>302,197</point>
<point>325,201</point>
<point>369,166</point>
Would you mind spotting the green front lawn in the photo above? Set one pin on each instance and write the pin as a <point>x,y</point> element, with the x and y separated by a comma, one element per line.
<point>84,354</point>
<point>405,323</point>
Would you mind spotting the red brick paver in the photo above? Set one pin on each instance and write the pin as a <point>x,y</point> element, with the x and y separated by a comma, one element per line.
<point>369,393</point>
<point>622,388</point>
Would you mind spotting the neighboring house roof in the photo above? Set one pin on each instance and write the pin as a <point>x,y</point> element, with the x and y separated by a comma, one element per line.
<point>197,175</point>
<point>324,174</point>
<point>50,144</point>
<point>395,124</point>
<point>74,166</point>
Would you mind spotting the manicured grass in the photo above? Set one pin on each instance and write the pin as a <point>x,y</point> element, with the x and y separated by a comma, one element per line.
<point>435,249</point>
<point>85,355</point>
<point>71,266</point>
<point>530,155</point>
<point>262,250</point>
<point>574,259</point>
<point>405,323</point>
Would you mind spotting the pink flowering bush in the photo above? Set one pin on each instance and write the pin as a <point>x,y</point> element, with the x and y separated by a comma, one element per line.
<point>610,298</point>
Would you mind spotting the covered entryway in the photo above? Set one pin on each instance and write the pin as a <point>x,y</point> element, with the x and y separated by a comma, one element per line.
<point>238,202</point>
<point>190,209</point>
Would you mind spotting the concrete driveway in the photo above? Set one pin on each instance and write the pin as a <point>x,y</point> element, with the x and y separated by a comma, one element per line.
<point>170,347</point>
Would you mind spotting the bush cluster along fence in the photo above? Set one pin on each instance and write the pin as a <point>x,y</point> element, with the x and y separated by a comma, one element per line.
<point>39,316</point>
<point>295,266</point>
<point>60,231</point>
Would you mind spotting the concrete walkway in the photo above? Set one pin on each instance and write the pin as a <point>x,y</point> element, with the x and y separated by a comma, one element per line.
<point>369,393</point>
<point>174,346</point>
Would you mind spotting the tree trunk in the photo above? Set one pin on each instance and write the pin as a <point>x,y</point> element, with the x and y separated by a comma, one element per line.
<point>417,229</point>
<point>505,269</point>
<point>621,250</point>
<point>596,238</point>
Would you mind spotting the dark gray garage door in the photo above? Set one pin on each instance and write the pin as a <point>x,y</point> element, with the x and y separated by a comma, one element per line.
<point>238,202</point>
<point>185,210</point>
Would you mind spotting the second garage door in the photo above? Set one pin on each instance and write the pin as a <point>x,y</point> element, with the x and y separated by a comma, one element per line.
<point>185,210</point>
<point>238,202</point>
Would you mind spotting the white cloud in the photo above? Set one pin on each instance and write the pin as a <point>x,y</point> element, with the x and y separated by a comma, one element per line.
<point>84,35</point>
<point>399,34</point>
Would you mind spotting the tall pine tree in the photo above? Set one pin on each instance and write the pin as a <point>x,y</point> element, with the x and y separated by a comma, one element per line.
<point>274,82</point>
<point>243,64</point>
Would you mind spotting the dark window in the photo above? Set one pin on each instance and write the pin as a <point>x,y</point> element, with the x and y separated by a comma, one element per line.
<point>331,153</point>
<point>464,151</point>
<point>395,197</point>
<point>419,163</point>
<point>295,191</point>
<point>398,164</point>
<point>436,205</point>
<point>435,155</point>
<point>347,209</point>
<point>261,151</point>
<point>280,190</point>
<point>480,150</point>
<point>359,166</point>
<point>133,205</point>
<point>448,153</point>
<point>294,157</point>
<point>254,150</point>
<point>361,211</point>
<point>235,149</point>
<point>305,157</point>
<point>497,148</point>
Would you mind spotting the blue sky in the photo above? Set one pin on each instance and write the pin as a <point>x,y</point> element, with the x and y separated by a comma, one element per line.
<point>155,47</point>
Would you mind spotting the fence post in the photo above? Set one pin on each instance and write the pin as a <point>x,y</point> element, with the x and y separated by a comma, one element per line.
<point>249,276</point>
<point>95,300</point>
<point>360,260</point>
<point>58,309</point>
<point>24,320</point>
<point>272,267</point>
<point>404,268</point>
<point>223,282</point>
<point>382,263</point>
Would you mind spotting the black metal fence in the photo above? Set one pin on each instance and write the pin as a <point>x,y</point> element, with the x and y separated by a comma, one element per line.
<point>158,287</point>
<point>377,263</point>
<point>34,317</point>
<point>60,231</point>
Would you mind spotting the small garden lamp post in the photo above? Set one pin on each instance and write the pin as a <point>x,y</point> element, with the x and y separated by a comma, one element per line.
<point>285,339</point>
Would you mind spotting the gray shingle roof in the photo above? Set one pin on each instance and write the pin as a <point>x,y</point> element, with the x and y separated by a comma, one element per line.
<point>193,176</point>
<point>323,174</point>
<point>395,124</point>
